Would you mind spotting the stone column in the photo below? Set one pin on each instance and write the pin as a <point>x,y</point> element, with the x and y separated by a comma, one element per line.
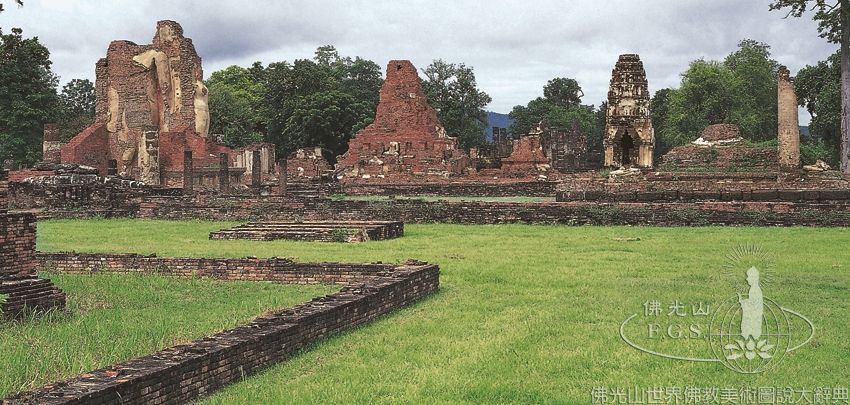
<point>282,177</point>
<point>51,146</point>
<point>188,171</point>
<point>256,165</point>
<point>789,126</point>
<point>223,173</point>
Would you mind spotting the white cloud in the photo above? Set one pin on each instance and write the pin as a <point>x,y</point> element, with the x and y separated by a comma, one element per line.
<point>515,48</point>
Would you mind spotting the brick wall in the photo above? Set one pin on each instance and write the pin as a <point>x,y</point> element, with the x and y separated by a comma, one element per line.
<point>183,373</point>
<point>493,189</point>
<point>811,213</point>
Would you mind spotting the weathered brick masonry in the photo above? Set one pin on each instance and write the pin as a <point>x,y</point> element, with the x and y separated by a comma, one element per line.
<point>671,213</point>
<point>480,188</point>
<point>20,288</point>
<point>323,231</point>
<point>182,373</point>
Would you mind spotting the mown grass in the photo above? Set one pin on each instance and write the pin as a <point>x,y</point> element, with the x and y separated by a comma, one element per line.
<point>111,318</point>
<point>525,314</point>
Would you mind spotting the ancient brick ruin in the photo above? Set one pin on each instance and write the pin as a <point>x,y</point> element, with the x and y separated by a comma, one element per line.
<point>789,126</point>
<point>321,231</point>
<point>180,374</point>
<point>406,137</point>
<point>629,137</point>
<point>527,155</point>
<point>309,163</point>
<point>21,291</point>
<point>152,108</point>
<point>720,149</point>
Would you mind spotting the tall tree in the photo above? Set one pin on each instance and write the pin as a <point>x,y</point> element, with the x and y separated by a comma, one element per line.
<point>28,97</point>
<point>818,89</point>
<point>235,103</point>
<point>739,90</point>
<point>833,19</point>
<point>322,101</point>
<point>559,107</point>
<point>563,92</point>
<point>451,89</point>
<point>77,102</point>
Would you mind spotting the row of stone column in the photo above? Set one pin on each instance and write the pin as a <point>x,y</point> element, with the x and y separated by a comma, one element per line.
<point>224,172</point>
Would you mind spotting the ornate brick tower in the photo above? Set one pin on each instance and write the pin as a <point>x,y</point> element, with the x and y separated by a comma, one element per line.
<point>629,137</point>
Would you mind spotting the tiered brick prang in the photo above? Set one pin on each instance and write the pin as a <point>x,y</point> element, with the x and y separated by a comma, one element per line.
<point>333,231</point>
<point>406,136</point>
<point>20,289</point>
<point>629,137</point>
<point>180,374</point>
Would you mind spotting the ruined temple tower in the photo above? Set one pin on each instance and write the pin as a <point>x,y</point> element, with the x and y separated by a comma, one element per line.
<point>406,137</point>
<point>629,137</point>
<point>789,127</point>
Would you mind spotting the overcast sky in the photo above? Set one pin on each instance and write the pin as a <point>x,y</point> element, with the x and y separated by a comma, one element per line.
<point>514,47</point>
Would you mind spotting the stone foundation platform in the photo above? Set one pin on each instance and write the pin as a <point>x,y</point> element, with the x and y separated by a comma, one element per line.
<point>347,231</point>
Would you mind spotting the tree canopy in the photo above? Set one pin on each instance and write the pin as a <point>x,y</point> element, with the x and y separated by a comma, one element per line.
<point>451,89</point>
<point>320,102</point>
<point>741,90</point>
<point>28,96</point>
<point>559,107</point>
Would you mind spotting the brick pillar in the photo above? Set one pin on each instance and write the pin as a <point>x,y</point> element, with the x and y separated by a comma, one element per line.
<point>188,171</point>
<point>282,177</point>
<point>51,146</point>
<point>223,173</point>
<point>256,165</point>
<point>789,127</point>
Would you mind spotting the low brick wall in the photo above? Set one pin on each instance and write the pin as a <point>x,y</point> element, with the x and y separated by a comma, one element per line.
<point>186,372</point>
<point>774,195</point>
<point>482,188</point>
<point>673,213</point>
<point>322,231</point>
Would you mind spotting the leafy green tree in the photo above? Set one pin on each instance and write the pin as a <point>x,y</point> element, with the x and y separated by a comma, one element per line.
<point>319,102</point>
<point>660,106</point>
<point>818,89</point>
<point>559,108</point>
<point>235,103</point>
<point>833,19</point>
<point>77,101</point>
<point>28,97</point>
<point>451,89</point>
<point>563,92</point>
<point>740,90</point>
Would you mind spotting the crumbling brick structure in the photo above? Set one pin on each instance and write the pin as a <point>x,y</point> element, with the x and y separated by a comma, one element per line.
<point>527,156</point>
<point>309,162</point>
<point>629,137</point>
<point>568,149</point>
<point>20,289</point>
<point>720,149</point>
<point>789,127</point>
<point>151,108</point>
<point>406,137</point>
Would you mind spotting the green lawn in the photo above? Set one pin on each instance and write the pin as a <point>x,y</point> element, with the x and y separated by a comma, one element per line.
<point>525,314</point>
<point>113,318</point>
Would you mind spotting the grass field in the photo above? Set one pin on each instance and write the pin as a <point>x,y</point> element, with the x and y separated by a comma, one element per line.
<point>525,314</point>
<point>114,318</point>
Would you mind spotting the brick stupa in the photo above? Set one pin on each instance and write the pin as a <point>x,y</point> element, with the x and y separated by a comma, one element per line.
<point>406,137</point>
